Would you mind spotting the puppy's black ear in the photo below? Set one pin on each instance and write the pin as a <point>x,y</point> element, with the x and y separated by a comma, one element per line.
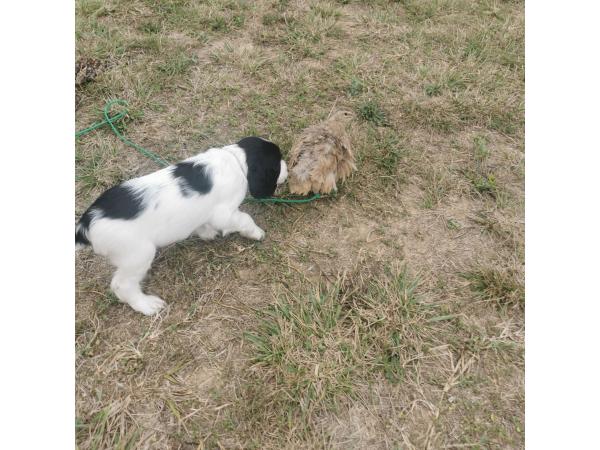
<point>263,159</point>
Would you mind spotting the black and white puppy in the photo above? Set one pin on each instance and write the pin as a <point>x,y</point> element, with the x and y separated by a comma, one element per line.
<point>201,195</point>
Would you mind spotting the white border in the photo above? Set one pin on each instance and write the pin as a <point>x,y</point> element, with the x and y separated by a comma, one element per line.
<point>37,200</point>
<point>562,224</point>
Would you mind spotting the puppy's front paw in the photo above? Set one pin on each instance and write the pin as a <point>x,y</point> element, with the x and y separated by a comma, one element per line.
<point>257,234</point>
<point>148,305</point>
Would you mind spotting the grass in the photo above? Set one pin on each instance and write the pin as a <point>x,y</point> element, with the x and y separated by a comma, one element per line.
<point>481,149</point>
<point>499,285</point>
<point>356,87</point>
<point>372,112</point>
<point>484,184</point>
<point>318,348</point>
<point>320,336</point>
<point>93,174</point>
<point>419,11</point>
<point>433,90</point>
<point>391,151</point>
<point>309,343</point>
<point>436,188</point>
<point>177,64</point>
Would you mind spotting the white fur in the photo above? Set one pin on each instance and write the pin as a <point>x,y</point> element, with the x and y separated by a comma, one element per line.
<point>169,217</point>
<point>283,173</point>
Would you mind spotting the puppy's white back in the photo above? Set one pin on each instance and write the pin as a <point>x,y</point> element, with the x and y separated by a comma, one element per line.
<point>168,214</point>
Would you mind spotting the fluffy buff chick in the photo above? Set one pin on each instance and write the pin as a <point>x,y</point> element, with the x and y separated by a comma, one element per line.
<point>321,156</point>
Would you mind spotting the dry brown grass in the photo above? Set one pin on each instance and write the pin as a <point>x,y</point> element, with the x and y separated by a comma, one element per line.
<point>388,317</point>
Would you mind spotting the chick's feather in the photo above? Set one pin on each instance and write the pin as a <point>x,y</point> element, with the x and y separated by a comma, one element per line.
<point>321,156</point>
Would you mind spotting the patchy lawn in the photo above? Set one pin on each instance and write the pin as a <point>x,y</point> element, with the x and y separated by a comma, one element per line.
<point>391,316</point>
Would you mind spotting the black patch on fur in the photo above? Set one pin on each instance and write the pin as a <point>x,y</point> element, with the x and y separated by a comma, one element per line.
<point>116,203</point>
<point>80,233</point>
<point>193,177</point>
<point>119,203</point>
<point>264,164</point>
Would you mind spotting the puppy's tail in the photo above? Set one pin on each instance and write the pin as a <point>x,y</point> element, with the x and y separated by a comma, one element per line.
<point>81,231</point>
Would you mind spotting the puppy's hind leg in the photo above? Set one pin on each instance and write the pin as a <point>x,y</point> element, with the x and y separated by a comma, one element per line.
<point>132,265</point>
<point>206,232</point>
